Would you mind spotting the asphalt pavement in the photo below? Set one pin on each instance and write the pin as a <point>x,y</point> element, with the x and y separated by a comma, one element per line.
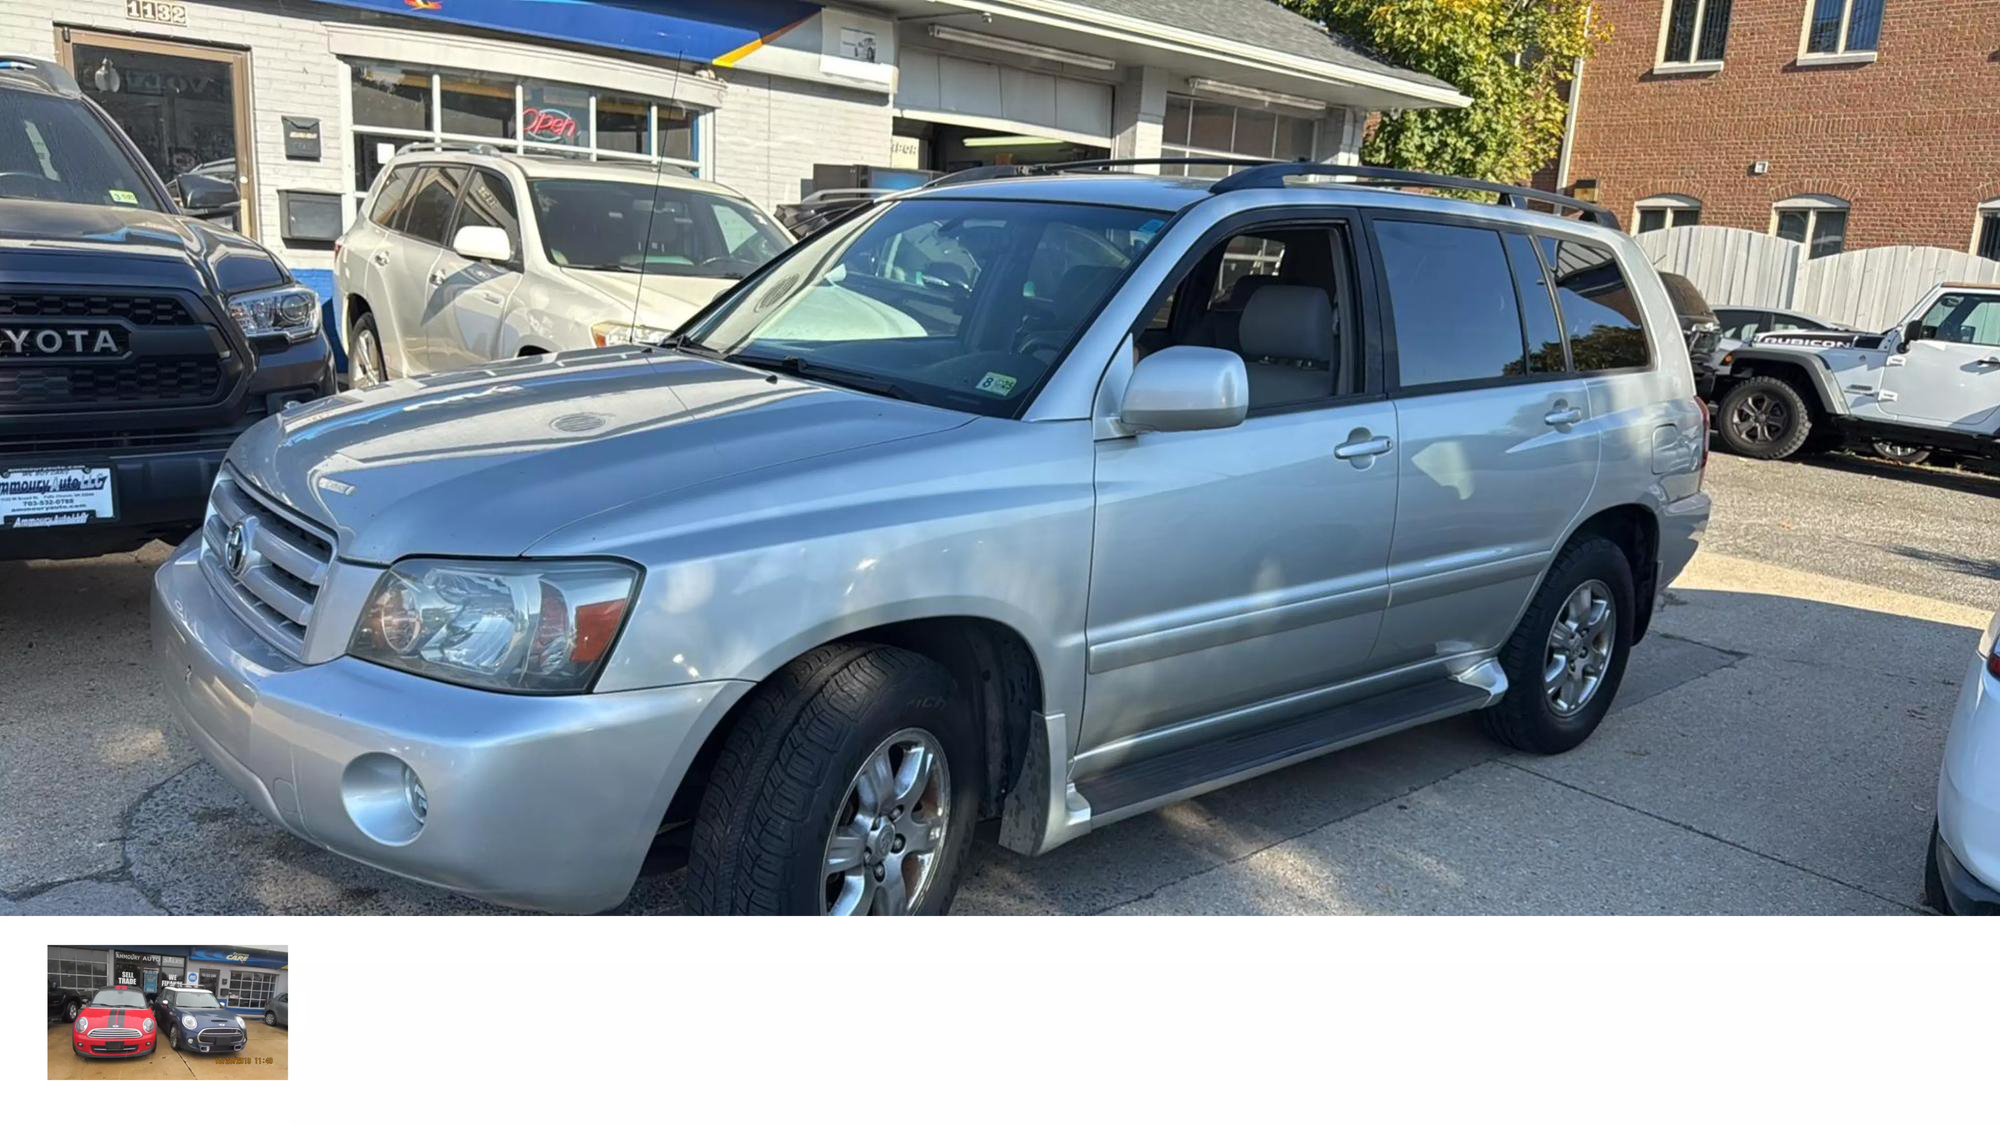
<point>1774,749</point>
<point>267,1055</point>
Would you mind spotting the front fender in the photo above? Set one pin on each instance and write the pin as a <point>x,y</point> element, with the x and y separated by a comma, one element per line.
<point>1815,367</point>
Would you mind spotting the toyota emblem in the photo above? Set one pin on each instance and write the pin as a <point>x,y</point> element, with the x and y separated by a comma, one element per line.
<point>233,554</point>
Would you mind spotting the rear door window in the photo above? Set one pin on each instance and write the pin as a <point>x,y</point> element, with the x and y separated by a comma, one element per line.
<point>395,187</point>
<point>431,200</point>
<point>1742,324</point>
<point>489,202</point>
<point>1453,303</point>
<point>1599,310</point>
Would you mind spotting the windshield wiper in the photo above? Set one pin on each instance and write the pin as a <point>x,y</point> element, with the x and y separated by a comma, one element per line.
<point>820,373</point>
<point>681,343</point>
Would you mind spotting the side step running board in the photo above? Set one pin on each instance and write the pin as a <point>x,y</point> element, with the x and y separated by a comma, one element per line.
<point>1155,782</point>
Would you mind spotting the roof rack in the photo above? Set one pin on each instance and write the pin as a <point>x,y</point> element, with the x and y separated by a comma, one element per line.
<point>476,148</point>
<point>1270,175</point>
<point>41,70</point>
<point>1273,173</point>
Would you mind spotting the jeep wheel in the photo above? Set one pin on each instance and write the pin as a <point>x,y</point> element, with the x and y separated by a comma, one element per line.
<point>368,369</point>
<point>1567,656</point>
<point>72,1008</point>
<point>1764,418</point>
<point>849,785</point>
<point>1901,454</point>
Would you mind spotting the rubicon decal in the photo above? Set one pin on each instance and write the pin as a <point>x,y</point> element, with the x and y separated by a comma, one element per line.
<point>60,342</point>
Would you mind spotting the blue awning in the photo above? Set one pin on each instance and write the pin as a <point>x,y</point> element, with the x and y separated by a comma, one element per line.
<point>695,30</point>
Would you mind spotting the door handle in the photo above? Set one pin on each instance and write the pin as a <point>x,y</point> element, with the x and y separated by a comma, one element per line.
<point>1361,446</point>
<point>437,277</point>
<point>1563,415</point>
<point>379,257</point>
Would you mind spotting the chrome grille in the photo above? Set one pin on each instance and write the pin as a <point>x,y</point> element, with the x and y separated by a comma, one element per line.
<point>219,1034</point>
<point>285,561</point>
<point>115,1033</point>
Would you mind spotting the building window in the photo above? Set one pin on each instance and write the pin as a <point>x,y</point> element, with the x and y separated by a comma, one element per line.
<point>1838,27</point>
<point>84,976</point>
<point>1197,128</point>
<point>1986,232</point>
<point>396,105</point>
<point>1819,221</point>
<point>1663,211</point>
<point>1697,31</point>
<point>244,988</point>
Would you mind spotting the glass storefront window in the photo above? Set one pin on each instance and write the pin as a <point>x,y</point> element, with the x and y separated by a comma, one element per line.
<point>555,115</point>
<point>81,975</point>
<point>245,988</point>
<point>392,97</point>
<point>621,125</point>
<point>477,105</point>
<point>676,133</point>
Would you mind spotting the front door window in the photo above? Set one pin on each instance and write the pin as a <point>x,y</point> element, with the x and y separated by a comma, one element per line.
<point>1950,376</point>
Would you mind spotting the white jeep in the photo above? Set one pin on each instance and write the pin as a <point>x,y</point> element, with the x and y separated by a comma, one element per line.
<point>1930,383</point>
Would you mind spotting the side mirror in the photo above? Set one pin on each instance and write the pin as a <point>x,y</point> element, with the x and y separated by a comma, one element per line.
<point>1186,388</point>
<point>489,244</point>
<point>1912,332</point>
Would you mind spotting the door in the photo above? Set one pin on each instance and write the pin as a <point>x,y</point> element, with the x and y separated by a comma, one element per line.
<point>1243,567</point>
<point>1950,376</point>
<point>415,313</point>
<point>472,294</point>
<point>187,109</point>
<point>1499,446</point>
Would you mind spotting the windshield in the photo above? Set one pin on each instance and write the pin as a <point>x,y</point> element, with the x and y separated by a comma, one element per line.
<point>628,227</point>
<point>117,998</point>
<point>192,1000</point>
<point>55,149</point>
<point>960,303</point>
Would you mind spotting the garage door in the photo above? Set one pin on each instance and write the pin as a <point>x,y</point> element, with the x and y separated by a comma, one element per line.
<point>953,89</point>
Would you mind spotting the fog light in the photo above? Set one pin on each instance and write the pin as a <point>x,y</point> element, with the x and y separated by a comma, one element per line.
<point>413,794</point>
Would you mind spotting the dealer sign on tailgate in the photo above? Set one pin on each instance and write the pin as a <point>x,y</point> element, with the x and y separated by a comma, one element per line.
<point>54,496</point>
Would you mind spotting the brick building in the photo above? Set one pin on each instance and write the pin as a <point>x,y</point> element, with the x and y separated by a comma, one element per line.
<point>1844,124</point>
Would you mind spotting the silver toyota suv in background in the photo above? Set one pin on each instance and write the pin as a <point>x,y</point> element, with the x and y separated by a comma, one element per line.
<point>1051,498</point>
<point>464,255</point>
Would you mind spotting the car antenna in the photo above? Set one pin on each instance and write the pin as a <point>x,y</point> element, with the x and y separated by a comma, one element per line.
<point>653,212</point>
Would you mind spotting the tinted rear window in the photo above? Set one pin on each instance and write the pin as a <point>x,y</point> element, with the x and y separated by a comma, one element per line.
<point>430,203</point>
<point>1599,309</point>
<point>1456,314</point>
<point>394,186</point>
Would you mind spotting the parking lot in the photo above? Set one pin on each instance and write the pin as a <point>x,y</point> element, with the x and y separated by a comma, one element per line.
<point>1774,750</point>
<point>265,1057</point>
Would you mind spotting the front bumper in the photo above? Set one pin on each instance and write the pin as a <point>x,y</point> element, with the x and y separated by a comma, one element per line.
<point>1969,796</point>
<point>111,1048</point>
<point>545,802</point>
<point>153,494</point>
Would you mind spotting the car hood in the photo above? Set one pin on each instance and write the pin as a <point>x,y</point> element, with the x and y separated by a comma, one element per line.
<point>101,1017</point>
<point>232,264</point>
<point>664,300</point>
<point>485,462</point>
<point>206,1017</point>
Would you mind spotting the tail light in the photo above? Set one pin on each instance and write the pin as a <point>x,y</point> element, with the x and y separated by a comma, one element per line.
<point>1701,476</point>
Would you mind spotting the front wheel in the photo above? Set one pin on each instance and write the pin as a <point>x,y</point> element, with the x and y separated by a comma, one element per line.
<point>270,1019</point>
<point>850,785</point>
<point>1763,417</point>
<point>73,1009</point>
<point>174,1038</point>
<point>1567,656</point>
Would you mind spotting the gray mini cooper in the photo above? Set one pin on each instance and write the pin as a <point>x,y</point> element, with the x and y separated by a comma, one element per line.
<point>1049,498</point>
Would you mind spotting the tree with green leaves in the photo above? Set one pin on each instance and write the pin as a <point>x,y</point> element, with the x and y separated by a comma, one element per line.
<point>1509,56</point>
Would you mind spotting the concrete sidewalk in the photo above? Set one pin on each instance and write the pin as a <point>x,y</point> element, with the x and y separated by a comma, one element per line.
<point>267,1056</point>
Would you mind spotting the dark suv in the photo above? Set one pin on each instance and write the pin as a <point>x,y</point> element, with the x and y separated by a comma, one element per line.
<point>136,341</point>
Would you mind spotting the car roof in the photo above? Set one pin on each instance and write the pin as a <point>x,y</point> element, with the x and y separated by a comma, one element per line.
<point>537,167</point>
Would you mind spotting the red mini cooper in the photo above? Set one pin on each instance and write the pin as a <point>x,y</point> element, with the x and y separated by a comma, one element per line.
<point>116,1023</point>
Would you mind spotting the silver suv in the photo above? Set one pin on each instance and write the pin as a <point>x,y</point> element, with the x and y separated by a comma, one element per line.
<point>1051,498</point>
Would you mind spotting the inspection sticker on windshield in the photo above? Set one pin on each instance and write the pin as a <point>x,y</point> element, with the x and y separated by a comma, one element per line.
<point>994,383</point>
<point>54,497</point>
<point>119,195</point>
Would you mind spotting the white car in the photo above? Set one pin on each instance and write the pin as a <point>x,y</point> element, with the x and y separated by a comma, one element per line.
<point>1964,870</point>
<point>466,256</point>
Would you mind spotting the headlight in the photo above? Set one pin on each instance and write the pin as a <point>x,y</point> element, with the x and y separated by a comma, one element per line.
<point>518,626</point>
<point>239,1023</point>
<point>146,1025</point>
<point>82,1024</point>
<point>291,311</point>
<point>607,333</point>
<point>187,1022</point>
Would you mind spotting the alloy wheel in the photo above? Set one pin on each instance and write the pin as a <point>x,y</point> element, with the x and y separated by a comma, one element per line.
<point>1580,646</point>
<point>73,1010</point>
<point>888,835</point>
<point>271,1018</point>
<point>367,359</point>
<point>1760,418</point>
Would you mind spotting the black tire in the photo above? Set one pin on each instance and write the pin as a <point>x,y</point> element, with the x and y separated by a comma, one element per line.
<point>365,336</point>
<point>1900,454</point>
<point>74,1009</point>
<point>173,1037</point>
<point>1763,417</point>
<point>786,765</point>
<point>270,1019</point>
<point>1525,719</point>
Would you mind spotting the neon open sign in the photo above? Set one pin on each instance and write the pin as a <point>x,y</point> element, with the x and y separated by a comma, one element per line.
<point>548,125</point>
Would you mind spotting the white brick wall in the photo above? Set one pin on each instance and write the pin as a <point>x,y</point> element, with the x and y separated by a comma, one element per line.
<point>770,131</point>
